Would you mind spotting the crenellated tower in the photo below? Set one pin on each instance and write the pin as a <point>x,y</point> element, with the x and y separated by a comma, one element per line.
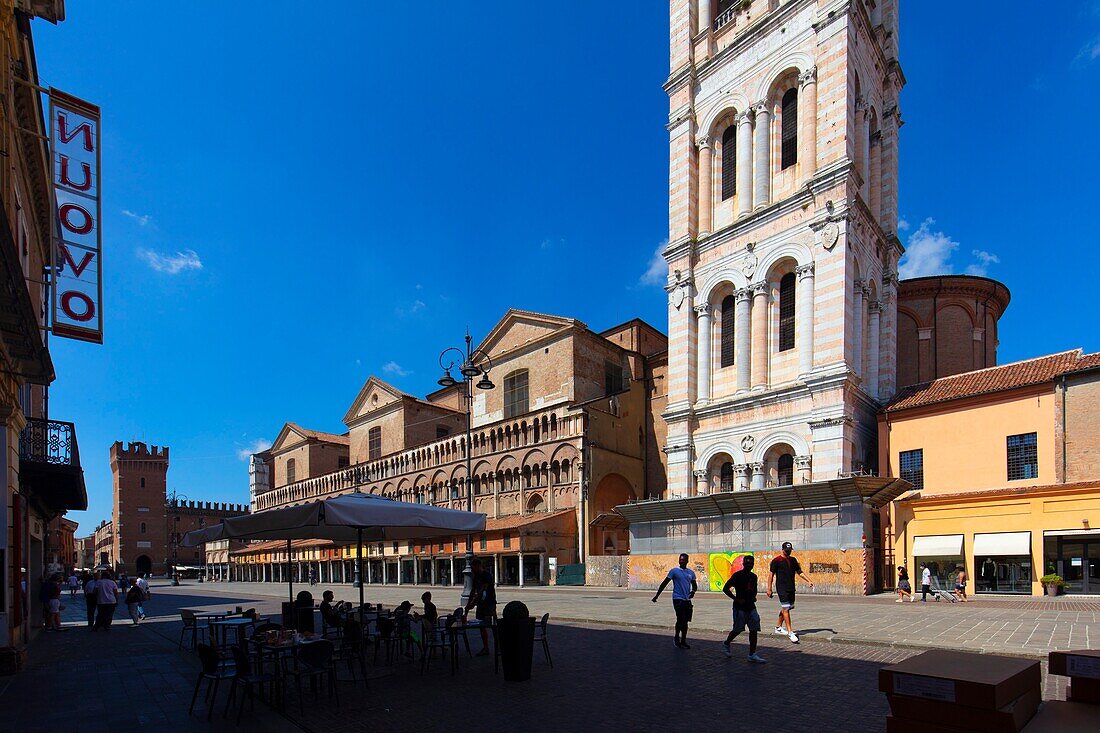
<point>140,477</point>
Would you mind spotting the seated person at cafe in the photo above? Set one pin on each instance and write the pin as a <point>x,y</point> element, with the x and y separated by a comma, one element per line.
<point>431,613</point>
<point>328,611</point>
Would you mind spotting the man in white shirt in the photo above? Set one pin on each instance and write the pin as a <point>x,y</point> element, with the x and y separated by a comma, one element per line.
<point>683,590</point>
<point>925,582</point>
<point>73,585</point>
<point>143,584</point>
<point>106,600</point>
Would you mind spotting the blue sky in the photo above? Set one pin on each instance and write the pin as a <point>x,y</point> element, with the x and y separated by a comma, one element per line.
<point>294,201</point>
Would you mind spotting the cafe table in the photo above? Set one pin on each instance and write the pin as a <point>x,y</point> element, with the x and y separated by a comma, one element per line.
<point>238,624</point>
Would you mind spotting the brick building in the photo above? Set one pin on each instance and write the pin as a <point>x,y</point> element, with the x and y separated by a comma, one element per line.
<point>571,429</point>
<point>146,526</point>
<point>104,543</point>
<point>85,548</point>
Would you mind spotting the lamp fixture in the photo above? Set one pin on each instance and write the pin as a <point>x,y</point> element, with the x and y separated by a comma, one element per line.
<point>485,384</point>
<point>446,380</point>
<point>469,369</point>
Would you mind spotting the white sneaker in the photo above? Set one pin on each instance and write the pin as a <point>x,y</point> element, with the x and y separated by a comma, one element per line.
<point>793,637</point>
<point>757,658</point>
<point>780,631</point>
<point>726,647</point>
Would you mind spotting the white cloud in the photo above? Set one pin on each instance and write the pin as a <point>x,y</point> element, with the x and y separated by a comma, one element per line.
<point>141,219</point>
<point>392,367</point>
<point>984,260</point>
<point>657,271</point>
<point>903,225</point>
<point>927,252</point>
<point>257,445</point>
<point>171,264</point>
<point>1089,52</point>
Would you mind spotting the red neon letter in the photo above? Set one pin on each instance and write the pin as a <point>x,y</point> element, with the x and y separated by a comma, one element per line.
<point>83,128</point>
<point>67,302</point>
<point>84,228</point>
<point>66,181</point>
<point>67,259</point>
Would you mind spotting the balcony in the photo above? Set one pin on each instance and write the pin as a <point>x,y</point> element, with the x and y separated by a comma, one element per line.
<point>49,466</point>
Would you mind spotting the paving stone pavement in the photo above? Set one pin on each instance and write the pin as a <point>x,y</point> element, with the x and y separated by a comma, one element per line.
<point>615,677</point>
<point>1021,626</point>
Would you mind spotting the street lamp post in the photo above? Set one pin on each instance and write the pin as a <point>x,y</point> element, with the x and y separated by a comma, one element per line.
<point>471,363</point>
<point>173,501</point>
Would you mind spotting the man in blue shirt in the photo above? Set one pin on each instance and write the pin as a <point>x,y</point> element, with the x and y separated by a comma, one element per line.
<point>683,590</point>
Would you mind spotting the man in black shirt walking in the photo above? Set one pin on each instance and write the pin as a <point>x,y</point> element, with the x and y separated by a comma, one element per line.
<point>743,583</point>
<point>783,570</point>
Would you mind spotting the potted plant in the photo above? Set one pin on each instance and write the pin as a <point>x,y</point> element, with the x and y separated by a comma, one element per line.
<point>1053,583</point>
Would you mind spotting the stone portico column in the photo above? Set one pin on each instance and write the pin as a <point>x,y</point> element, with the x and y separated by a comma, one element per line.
<point>805,296</point>
<point>857,328</point>
<point>705,333</point>
<point>744,163</point>
<point>757,475</point>
<point>742,337</point>
<point>802,469</point>
<point>702,487</point>
<point>875,309</point>
<point>759,335</point>
<point>807,123</point>
<point>706,186</point>
<point>742,471</point>
<point>762,153</point>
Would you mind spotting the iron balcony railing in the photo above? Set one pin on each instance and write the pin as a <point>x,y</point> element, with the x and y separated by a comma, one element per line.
<point>51,442</point>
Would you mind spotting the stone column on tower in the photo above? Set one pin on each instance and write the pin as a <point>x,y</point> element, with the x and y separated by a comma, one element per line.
<point>742,357</point>
<point>743,471</point>
<point>863,116</point>
<point>874,309</point>
<point>802,469</point>
<point>705,332</point>
<point>807,123</point>
<point>762,174</point>
<point>702,486</point>
<point>706,186</point>
<point>857,327</point>
<point>757,475</point>
<point>759,335</point>
<point>805,299</point>
<point>744,163</point>
<point>704,15</point>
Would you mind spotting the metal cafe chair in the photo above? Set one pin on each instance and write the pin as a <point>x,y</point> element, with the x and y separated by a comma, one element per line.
<point>540,637</point>
<point>190,628</point>
<point>314,661</point>
<point>213,673</point>
<point>438,636</point>
<point>353,648</point>
<point>249,680</point>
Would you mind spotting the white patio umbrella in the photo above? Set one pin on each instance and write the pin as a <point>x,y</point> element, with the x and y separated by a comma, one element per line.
<point>342,519</point>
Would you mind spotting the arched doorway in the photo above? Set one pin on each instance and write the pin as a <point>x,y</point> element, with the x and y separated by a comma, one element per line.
<point>611,491</point>
<point>143,565</point>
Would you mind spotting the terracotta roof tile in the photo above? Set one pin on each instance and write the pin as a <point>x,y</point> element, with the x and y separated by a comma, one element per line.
<point>999,491</point>
<point>985,381</point>
<point>516,521</point>
<point>319,435</point>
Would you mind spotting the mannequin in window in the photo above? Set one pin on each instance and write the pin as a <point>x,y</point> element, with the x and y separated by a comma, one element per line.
<point>989,574</point>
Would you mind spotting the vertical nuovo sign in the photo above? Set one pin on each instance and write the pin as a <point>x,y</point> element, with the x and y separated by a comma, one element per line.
<point>78,242</point>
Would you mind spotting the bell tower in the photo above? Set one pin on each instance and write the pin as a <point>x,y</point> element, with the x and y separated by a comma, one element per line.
<point>783,248</point>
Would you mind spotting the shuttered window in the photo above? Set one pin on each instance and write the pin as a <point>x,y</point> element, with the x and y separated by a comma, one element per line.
<point>789,134</point>
<point>728,317</point>
<point>729,162</point>
<point>786,312</point>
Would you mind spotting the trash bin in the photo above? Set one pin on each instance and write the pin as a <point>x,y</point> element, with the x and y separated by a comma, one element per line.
<point>516,637</point>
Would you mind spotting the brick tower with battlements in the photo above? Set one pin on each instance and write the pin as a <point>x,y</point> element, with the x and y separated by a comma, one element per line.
<point>140,477</point>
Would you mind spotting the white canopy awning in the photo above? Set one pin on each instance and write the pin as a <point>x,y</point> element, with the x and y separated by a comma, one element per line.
<point>1002,543</point>
<point>943,545</point>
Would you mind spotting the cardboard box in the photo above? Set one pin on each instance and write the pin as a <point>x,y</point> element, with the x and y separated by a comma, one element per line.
<point>1064,717</point>
<point>962,678</point>
<point>1009,719</point>
<point>1083,689</point>
<point>1080,663</point>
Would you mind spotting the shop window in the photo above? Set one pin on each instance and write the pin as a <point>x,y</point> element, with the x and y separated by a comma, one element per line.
<point>911,467</point>
<point>1023,459</point>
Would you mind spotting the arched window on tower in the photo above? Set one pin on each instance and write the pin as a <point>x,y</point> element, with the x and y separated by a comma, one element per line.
<point>786,312</point>
<point>290,471</point>
<point>789,133</point>
<point>785,472</point>
<point>729,304</point>
<point>727,477</point>
<point>729,162</point>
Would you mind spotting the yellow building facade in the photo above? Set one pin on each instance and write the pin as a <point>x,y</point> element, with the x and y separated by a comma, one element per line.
<point>991,455</point>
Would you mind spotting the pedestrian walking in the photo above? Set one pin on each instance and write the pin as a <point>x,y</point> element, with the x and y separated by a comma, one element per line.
<point>53,605</point>
<point>312,577</point>
<point>91,599</point>
<point>925,582</point>
<point>73,583</point>
<point>741,587</point>
<point>483,599</point>
<point>143,583</point>
<point>960,583</point>
<point>782,573</point>
<point>106,600</point>
<point>683,590</point>
<point>133,602</point>
<point>904,589</point>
